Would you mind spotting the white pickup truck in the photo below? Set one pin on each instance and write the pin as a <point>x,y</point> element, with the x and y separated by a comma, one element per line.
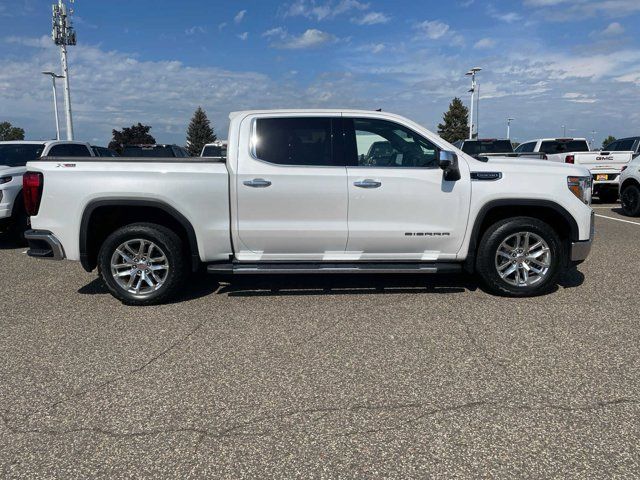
<point>14,156</point>
<point>303,191</point>
<point>605,166</point>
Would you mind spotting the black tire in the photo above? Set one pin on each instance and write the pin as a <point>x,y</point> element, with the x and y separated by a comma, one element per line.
<point>172,248</point>
<point>608,195</point>
<point>19,222</point>
<point>496,234</point>
<point>630,199</point>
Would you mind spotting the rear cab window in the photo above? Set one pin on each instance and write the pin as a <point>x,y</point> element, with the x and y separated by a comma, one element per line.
<point>69,150</point>
<point>526,147</point>
<point>478,147</point>
<point>17,155</point>
<point>563,146</point>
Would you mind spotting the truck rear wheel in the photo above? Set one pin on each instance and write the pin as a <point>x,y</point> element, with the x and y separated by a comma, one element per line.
<point>143,264</point>
<point>520,257</point>
<point>19,222</point>
<point>630,199</point>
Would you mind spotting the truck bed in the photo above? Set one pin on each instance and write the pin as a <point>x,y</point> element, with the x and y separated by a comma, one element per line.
<point>197,188</point>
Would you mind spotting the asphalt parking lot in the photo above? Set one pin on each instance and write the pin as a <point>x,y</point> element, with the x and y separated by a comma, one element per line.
<point>324,377</point>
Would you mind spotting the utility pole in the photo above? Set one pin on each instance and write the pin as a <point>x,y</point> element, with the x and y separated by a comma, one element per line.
<point>64,35</point>
<point>474,85</point>
<point>564,131</point>
<point>593,139</point>
<point>509,120</point>
<point>54,76</point>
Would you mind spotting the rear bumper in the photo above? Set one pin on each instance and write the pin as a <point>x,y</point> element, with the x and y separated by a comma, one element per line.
<point>44,244</point>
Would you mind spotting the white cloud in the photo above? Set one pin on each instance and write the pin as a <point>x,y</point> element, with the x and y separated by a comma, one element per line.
<point>195,29</point>
<point>311,9</point>
<point>243,36</point>
<point>311,38</point>
<point>579,97</point>
<point>485,43</point>
<point>239,16</point>
<point>613,29</point>
<point>433,29</point>
<point>569,10</point>
<point>372,18</point>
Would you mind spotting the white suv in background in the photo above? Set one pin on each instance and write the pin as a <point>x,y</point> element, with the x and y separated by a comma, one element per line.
<point>14,156</point>
<point>630,189</point>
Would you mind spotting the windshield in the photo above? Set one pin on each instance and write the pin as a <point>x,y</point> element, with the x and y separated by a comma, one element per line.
<point>148,152</point>
<point>17,155</point>
<point>478,147</point>
<point>563,146</point>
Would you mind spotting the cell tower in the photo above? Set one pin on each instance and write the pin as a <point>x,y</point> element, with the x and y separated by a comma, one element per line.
<point>64,35</point>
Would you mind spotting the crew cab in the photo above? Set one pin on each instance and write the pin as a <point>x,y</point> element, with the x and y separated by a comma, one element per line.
<point>301,191</point>
<point>630,189</point>
<point>14,156</point>
<point>605,166</point>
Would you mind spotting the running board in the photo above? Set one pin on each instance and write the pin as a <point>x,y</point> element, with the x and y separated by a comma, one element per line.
<point>328,268</point>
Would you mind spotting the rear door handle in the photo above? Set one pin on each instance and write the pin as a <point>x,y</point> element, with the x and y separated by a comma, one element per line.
<point>257,183</point>
<point>368,183</point>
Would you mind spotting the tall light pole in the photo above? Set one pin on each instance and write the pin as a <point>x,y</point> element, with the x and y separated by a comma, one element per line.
<point>472,73</point>
<point>54,76</point>
<point>63,35</point>
<point>593,139</point>
<point>564,131</point>
<point>509,120</point>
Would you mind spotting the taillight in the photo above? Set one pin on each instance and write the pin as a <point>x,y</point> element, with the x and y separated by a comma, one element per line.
<point>570,159</point>
<point>32,183</point>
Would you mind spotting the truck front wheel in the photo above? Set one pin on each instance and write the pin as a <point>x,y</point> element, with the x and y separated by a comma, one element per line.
<point>143,264</point>
<point>520,257</point>
<point>630,199</point>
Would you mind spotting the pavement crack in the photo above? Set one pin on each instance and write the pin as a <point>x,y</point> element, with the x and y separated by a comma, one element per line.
<point>92,388</point>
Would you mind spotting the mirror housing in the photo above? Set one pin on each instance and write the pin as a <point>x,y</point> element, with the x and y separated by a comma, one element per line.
<point>449,164</point>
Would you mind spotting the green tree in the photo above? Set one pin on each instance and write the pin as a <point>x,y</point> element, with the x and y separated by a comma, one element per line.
<point>455,124</point>
<point>134,135</point>
<point>8,132</point>
<point>199,132</point>
<point>608,140</point>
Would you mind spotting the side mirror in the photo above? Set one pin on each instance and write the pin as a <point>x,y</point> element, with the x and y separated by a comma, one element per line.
<point>449,164</point>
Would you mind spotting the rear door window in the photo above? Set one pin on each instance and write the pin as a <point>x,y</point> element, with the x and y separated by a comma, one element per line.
<point>526,147</point>
<point>624,145</point>
<point>303,141</point>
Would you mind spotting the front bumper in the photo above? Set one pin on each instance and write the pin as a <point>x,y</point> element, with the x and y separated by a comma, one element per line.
<point>581,250</point>
<point>44,244</point>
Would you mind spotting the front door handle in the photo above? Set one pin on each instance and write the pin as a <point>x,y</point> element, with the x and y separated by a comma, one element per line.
<point>368,183</point>
<point>257,183</point>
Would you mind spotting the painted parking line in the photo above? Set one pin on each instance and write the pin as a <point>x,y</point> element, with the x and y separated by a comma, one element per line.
<point>618,220</point>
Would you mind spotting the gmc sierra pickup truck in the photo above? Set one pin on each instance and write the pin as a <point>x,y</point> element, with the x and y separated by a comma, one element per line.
<point>14,156</point>
<point>303,191</point>
<point>605,166</point>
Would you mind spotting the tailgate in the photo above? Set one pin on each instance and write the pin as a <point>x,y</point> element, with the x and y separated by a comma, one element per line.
<point>603,160</point>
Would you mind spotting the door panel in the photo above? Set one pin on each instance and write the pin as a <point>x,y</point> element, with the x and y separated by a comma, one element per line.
<point>400,206</point>
<point>294,206</point>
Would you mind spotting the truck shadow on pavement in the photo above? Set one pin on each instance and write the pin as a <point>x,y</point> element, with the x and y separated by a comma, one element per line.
<point>203,285</point>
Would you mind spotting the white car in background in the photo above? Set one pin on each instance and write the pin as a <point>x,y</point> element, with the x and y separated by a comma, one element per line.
<point>14,156</point>
<point>630,189</point>
<point>217,149</point>
<point>605,166</point>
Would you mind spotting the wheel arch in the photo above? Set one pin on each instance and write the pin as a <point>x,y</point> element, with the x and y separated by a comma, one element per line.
<point>628,182</point>
<point>546,210</point>
<point>111,209</point>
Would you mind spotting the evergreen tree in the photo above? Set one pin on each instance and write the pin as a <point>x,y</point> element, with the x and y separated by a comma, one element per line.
<point>199,133</point>
<point>608,140</point>
<point>8,132</point>
<point>134,135</point>
<point>456,122</point>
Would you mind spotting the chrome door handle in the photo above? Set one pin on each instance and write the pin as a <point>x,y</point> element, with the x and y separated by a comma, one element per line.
<point>257,183</point>
<point>368,184</point>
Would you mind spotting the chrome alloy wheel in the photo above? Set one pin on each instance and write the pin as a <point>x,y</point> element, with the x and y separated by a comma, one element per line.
<point>523,259</point>
<point>139,266</point>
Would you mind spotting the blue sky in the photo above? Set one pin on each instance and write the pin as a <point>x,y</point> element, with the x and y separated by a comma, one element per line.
<point>547,63</point>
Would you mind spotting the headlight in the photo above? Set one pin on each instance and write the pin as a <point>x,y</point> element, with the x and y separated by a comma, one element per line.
<point>4,180</point>
<point>581,188</point>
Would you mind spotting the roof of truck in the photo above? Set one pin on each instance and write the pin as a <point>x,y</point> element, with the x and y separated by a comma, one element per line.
<point>40,142</point>
<point>309,111</point>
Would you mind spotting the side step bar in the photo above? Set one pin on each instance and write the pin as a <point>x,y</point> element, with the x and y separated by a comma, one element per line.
<point>328,268</point>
